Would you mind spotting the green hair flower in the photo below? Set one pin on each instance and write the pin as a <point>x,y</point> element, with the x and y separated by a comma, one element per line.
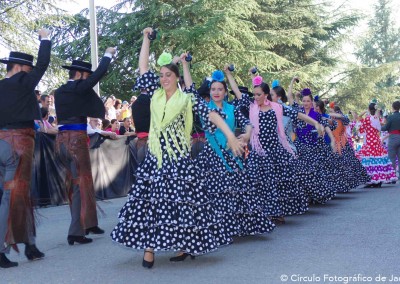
<point>164,59</point>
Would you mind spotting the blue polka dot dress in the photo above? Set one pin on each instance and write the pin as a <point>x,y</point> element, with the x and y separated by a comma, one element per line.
<point>169,208</point>
<point>240,206</point>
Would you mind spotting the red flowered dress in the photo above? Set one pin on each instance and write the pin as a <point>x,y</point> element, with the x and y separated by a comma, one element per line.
<point>373,155</point>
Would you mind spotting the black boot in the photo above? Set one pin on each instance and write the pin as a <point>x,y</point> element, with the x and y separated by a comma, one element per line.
<point>78,239</point>
<point>94,230</point>
<point>32,252</point>
<point>5,262</point>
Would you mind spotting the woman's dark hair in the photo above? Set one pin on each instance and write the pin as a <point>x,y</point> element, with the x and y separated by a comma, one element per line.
<point>105,123</point>
<point>280,92</point>
<point>117,103</point>
<point>44,111</point>
<point>371,108</point>
<point>222,82</point>
<point>173,67</point>
<point>337,109</point>
<point>310,96</point>
<point>396,105</point>
<point>113,120</point>
<point>321,106</point>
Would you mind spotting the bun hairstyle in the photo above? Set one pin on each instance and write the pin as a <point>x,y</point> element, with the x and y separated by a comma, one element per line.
<point>307,93</point>
<point>281,93</point>
<point>321,106</point>
<point>371,108</point>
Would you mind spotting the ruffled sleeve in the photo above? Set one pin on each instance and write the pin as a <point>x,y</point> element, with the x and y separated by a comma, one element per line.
<point>244,102</point>
<point>148,81</point>
<point>200,107</point>
<point>375,123</point>
<point>241,120</point>
<point>290,112</point>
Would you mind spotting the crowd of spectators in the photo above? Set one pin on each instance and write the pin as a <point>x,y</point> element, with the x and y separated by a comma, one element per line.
<point>117,123</point>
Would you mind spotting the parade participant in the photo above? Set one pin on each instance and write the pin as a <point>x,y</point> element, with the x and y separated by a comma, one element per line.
<point>393,127</point>
<point>352,173</point>
<point>313,152</point>
<point>271,165</point>
<point>141,117</point>
<point>374,157</point>
<point>75,101</point>
<point>239,204</point>
<point>168,207</point>
<point>18,110</point>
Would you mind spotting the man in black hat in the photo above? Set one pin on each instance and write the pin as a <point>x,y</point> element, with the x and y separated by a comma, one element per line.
<point>75,101</point>
<point>18,110</point>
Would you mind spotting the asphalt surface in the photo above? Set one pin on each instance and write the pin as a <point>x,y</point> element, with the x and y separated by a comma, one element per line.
<point>356,235</point>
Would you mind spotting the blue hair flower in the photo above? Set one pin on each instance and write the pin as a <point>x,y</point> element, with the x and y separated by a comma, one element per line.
<point>316,98</point>
<point>275,83</point>
<point>218,75</point>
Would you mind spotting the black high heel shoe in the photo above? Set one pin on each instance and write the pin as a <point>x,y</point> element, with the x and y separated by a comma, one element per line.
<point>181,257</point>
<point>78,239</point>
<point>148,264</point>
<point>32,252</point>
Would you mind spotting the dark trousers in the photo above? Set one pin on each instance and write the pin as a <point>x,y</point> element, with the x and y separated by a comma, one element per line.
<point>17,223</point>
<point>394,149</point>
<point>73,153</point>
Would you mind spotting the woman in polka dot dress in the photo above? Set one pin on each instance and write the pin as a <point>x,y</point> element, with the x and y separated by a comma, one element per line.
<point>372,154</point>
<point>241,207</point>
<point>354,173</point>
<point>271,165</point>
<point>168,207</point>
<point>314,154</point>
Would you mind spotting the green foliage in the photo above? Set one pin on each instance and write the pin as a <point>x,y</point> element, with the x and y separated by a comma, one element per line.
<point>377,75</point>
<point>19,22</point>
<point>282,37</point>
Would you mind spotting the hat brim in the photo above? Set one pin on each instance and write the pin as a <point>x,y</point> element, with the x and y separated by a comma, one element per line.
<point>6,61</point>
<point>77,68</point>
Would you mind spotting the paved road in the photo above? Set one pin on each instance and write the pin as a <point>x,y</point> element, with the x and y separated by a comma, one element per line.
<point>357,234</point>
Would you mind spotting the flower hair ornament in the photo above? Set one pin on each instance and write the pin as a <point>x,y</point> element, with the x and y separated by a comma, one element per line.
<point>218,76</point>
<point>257,81</point>
<point>316,98</point>
<point>164,59</point>
<point>332,105</point>
<point>275,83</point>
<point>305,92</point>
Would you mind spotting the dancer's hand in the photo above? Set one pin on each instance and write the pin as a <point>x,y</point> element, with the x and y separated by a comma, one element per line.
<point>182,58</point>
<point>244,138</point>
<point>111,50</point>
<point>226,69</point>
<point>320,129</point>
<point>235,145</point>
<point>295,79</point>
<point>44,33</point>
<point>147,31</point>
<point>333,146</point>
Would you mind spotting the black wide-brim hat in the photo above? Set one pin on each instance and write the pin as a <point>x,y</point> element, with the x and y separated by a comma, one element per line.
<point>79,66</point>
<point>243,90</point>
<point>18,58</point>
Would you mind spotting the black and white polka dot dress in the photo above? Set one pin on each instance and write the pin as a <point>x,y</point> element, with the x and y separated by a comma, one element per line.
<point>240,206</point>
<point>276,173</point>
<point>354,174</point>
<point>169,208</point>
<point>315,159</point>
